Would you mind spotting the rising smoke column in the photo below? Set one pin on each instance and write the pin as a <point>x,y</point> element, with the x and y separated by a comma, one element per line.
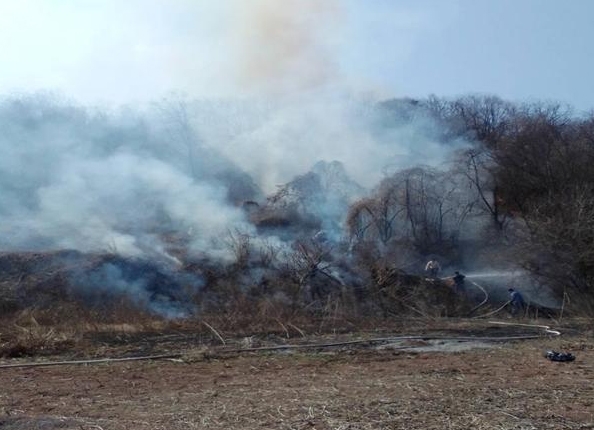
<point>95,180</point>
<point>294,106</point>
<point>285,47</point>
<point>122,182</point>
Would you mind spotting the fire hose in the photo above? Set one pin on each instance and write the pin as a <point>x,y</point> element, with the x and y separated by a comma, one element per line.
<point>546,328</point>
<point>485,300</point>
<point>180,355</point>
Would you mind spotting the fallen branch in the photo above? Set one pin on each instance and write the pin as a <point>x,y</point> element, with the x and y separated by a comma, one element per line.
<point>283,327</point>
<point>297,329</point>
<point>214,331</point>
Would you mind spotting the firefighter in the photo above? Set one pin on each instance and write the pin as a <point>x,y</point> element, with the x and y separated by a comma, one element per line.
<point>516,301</point>
<point>432,268</point>
<point>459,285</point>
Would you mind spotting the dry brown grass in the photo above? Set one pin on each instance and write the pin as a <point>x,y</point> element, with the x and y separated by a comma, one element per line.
<point>214,386</point>
<point>25,336</point>
<point>510,386</point>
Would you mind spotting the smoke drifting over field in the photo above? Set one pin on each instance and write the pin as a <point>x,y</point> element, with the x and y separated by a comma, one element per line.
<point>72,177</point>
<point>94,181</point>
<point>169,180</point>
<point>272,145</point>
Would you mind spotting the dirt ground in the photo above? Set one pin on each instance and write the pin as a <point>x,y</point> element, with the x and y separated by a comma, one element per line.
<point>442,379</point>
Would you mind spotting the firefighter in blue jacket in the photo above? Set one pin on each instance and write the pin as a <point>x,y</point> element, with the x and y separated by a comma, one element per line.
<point>516,301</point>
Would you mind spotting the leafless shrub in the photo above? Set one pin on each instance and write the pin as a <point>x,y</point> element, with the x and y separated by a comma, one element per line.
<point>240,245</point>
<point>268,253</point>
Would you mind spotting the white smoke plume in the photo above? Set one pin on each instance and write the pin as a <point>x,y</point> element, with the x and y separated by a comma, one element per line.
<point>96,180</point>
<point>274,141</point>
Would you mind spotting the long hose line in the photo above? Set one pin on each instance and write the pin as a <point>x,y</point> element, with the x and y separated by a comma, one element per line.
<point>485,300</point>
<point>493,312</point>
<point>180,355</point>
<point>546,328</point>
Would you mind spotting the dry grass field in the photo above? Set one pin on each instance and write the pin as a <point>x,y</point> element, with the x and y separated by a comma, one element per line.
<point>445,375</point>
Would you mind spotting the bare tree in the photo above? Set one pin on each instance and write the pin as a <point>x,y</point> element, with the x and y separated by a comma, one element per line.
<point>374,218</point>
<point>175,111</point>
<point>423,205</point>
<point>479,170</point>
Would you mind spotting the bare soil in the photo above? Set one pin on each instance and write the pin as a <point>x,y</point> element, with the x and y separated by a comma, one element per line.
<point>436,382</point>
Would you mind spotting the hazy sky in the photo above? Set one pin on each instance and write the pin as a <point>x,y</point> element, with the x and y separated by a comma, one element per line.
<point>125,51</point>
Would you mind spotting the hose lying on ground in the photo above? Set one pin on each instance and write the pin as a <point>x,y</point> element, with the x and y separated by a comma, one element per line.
<point>304,346</point>
<point>91,361</point>
<point>493,312</point>
<point>546,328</point>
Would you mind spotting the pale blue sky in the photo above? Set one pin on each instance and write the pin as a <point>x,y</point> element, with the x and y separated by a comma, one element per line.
<point>137,50</point>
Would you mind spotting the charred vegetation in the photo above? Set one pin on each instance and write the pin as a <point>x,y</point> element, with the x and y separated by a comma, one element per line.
<point>208,242</point>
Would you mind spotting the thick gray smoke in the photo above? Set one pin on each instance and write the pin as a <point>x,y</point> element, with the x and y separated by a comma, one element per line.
<point>272,125</point>
<point>96,181</point>
<point>275,140</point>
<point>168,181</point>
<point>99,182</point>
